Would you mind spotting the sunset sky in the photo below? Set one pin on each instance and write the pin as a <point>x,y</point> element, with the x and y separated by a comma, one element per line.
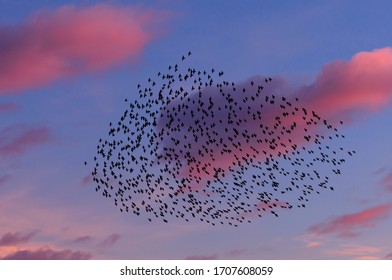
<point>67,66</point>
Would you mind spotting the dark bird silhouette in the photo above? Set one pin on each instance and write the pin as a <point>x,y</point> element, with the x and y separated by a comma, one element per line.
<point>192,147</point>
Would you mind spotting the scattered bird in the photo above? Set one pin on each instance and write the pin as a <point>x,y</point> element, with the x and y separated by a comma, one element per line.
<point>193,147</point>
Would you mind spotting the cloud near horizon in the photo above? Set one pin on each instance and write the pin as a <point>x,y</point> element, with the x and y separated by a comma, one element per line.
<point>72,40</point>
<point>10,239</point>
<point>110,240</point>
<point>203,257</point>
<point>345,225</point>
<point>47,253</point>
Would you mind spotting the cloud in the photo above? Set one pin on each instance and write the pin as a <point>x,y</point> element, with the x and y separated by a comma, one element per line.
<point>367,258</point>
<point>4,179</point>
<point>86,180</point>
<point>82,239</point>
<point>110,240</point>
<point>341,91</point>
<point>16,139</point>
<point>203,257</point>
<point>386,181</point>
<point>8,107</point>
<point>313,244</point>
<point>72,40</point>
<point>345,225</point>
<point>235,253</point>
<point>48,254</point>
<point>355,250</point>
<point>361,85</point>
<point>10,239</point>
<point>388,257</point>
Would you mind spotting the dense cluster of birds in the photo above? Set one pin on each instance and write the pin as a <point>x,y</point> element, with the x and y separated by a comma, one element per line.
<point>195,146</point>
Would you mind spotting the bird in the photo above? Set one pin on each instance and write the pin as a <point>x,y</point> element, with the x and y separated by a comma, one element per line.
<point>197,149</point>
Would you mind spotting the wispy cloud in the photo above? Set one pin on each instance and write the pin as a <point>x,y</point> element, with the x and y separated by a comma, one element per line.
<point>47,253</point>
<point>5,178</point>
<point>110,240</point>
<point>235,253</point>
<point>10,239</point>
<point>8,107</point>
<point>355,251</point>
<point>203,257</point>
<point>346,225</point>
<point>86,180</point>
<point>72,40</point>
<point>16,139</point>
<point>386,182</point>
<point>82,239</point>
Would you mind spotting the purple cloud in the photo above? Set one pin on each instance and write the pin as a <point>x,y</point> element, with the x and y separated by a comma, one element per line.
<point>4,179</point>
<point>110,240</point>
<point>8,107</point>
<point>48,254</point>
<point>82,239</point>
<point>10,239</point>
<point>345,224</point>
<point>203,257</point>
<point>16,139</point>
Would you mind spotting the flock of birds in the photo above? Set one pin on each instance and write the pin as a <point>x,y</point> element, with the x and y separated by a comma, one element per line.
<point>195,146</point>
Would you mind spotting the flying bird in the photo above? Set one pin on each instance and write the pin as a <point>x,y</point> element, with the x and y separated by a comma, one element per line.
<point>191,147</point>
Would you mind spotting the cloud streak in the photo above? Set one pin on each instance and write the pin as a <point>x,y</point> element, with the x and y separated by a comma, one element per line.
<point>8,107</point>
<point>203,257</point>
<point>82,239</point>
<point>72,40</point>
<point>386,182</point>
<point>110,240</point>
<point>16,139</point>
<point>10,239</point>
<point>345,225</point>
<point>4,179</point>
<point>48,254</point>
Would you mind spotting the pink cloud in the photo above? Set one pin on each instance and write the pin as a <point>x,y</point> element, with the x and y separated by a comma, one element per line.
<point>342,89</point>
<point>15,140</point>
<point>203,257</point>
<point>110,240</point>
<point>355,251</point>
<point>8,107</point>
<point>48,254</point>
<point>388,257</point>
<point>72,40</point>
<point>367,258</point>
<point>225,134</point>
<point>345,224</point>
<point>313,244</point>
<point>236,253</point>
<point>10,239</point>
<point>361,85</point>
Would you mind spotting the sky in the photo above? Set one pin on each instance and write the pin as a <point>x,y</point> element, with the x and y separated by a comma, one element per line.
<point>67,66</point>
